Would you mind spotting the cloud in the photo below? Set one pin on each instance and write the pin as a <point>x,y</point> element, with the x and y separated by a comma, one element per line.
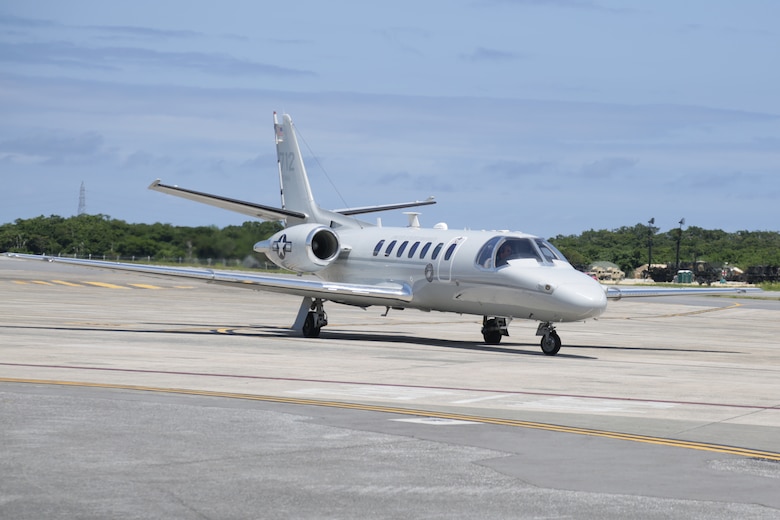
<point>70,55</point>
<point>607,167</point>
<point>511,169</point>
<point>54,146</point>
<point>482,54</point>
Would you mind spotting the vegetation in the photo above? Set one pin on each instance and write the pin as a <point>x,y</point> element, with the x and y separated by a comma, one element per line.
<point>628,246</point>
<point>100,235</point>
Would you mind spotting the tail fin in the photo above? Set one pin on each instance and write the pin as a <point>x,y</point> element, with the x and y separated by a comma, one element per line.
<point>295,190</point>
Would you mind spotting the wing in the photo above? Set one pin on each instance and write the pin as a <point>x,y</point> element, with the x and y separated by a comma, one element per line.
<point>348,293</point>
<point>239,206</point>
<point>616,293</point>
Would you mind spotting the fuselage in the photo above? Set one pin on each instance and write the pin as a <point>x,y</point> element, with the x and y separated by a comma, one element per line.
<point>459,271</point>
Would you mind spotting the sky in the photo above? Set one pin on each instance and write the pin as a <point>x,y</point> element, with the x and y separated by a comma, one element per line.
<point>549,117</point>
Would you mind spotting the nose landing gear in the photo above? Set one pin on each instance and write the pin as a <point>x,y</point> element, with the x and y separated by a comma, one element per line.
<point>551,342</point>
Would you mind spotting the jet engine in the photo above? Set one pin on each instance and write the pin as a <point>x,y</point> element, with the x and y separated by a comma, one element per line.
<point>305,248</point>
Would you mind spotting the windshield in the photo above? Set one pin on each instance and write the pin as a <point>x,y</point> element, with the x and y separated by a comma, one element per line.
<point>549,251</point>
<point>499,250</point>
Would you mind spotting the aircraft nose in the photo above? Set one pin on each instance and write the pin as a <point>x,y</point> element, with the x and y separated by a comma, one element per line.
<point>582,299</point>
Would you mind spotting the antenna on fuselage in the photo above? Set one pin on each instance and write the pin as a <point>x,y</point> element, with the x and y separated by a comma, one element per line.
<point>414,219</point>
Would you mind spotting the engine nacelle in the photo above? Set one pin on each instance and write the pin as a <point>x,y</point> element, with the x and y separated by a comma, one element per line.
<point>305,248</point>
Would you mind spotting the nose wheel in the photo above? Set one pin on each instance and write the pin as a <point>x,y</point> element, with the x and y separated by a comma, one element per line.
<point>551,342</point>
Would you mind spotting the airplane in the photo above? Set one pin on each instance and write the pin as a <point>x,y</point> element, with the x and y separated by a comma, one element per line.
<point>499,275</point>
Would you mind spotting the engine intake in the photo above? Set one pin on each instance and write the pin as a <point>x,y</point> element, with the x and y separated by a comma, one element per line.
<point>305,248</point>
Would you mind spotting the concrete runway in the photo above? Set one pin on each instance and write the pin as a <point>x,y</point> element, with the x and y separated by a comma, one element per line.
<point>127,396</point>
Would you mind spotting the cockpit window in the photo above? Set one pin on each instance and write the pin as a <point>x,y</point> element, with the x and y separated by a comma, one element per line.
<point>485,255</point>
<point>499,250</point>
<point>549,251</point>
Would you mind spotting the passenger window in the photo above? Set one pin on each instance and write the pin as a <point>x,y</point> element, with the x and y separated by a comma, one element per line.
<point>378,247</point>
<point>401,249</point>
<point>437,250</point>
<point>390,247</point>
<point>425,249</point>
<point>449,252</point>
<point>413,249</point>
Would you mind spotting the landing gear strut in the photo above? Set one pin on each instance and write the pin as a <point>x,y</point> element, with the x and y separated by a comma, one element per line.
<point>315,319</point>
<point>551,342</point>
<point>493,329</point>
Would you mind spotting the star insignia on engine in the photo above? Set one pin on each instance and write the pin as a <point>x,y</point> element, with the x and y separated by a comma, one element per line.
<point>281,246</point>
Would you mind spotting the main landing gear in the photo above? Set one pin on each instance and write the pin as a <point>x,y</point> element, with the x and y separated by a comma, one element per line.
<point>315,318</point>
<point>494,328</point>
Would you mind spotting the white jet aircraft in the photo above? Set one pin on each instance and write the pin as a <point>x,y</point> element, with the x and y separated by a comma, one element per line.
<point>499,275</point>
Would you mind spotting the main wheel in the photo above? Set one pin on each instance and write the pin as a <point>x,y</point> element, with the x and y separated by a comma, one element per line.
<point>309,330</point>
<point>492,337</point>
<point>491,332</point>
<point>551,343</point>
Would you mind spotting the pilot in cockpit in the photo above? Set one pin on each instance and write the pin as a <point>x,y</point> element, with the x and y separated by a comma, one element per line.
<point>504,252</point>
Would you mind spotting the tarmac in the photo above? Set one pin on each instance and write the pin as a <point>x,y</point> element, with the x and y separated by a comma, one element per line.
<point>127,396</point>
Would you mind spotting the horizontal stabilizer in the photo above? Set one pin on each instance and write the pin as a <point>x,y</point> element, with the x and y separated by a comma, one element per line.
<point>239,206</point>
<point>385,207</point>
<point>616,293</point>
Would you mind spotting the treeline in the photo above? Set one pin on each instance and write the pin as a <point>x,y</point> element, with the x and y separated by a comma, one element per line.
<point>100,235</point>
<point>628,246</point>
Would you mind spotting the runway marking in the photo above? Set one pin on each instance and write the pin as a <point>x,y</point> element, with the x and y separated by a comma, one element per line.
<point>84,283</point>
<point>395,385</point>
<point>106,285</point>
<point>69,284</point>
<point>660,441</point>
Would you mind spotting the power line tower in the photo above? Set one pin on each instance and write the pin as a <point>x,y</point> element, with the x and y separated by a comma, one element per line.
<point>82,199</point>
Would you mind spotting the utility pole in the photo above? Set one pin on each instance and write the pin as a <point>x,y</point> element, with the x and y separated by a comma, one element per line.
<point>82,200</point>
<point>650,245</point>
<point>679,239</point>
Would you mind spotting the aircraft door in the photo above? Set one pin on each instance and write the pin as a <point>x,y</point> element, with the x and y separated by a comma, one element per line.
<point>447,258</point>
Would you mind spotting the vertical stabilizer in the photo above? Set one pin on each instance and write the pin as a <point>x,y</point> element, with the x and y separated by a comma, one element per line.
<point>295,190</point>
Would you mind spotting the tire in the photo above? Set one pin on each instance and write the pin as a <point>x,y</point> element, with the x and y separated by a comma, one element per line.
<point>551,343</point>
<point>309,330</point>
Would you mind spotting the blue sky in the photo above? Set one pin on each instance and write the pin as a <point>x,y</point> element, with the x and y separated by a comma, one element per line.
<point>550,117</point>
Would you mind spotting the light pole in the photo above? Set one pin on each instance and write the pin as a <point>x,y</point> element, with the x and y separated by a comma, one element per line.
<point>679,238</point>
<point>650,245</point>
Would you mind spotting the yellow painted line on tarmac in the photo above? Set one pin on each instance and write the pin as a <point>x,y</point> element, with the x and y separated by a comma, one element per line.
<point>69,284</point>
<point>144,286</point>
<point>701,446</point>
<point>20,282</point>
<point>106,285</point>
<point>41,282</point>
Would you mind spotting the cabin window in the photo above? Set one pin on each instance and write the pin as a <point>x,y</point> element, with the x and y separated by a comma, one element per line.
<point>401,249</point>
<point>390,247</point>
<point>378,247</point>
<point>413,249</point>
<point>449,252</point>
<point>437,250</point>
<point>425,249</point>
